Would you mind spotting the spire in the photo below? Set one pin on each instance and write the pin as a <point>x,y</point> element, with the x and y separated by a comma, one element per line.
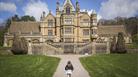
<point>44,13</point>
<point>77,6</point>
<point>41,18</point>
<point>58,5</point>
<point>49,11</point>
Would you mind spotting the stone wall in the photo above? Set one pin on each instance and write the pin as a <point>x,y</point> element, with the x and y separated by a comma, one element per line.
<point>43,49</point>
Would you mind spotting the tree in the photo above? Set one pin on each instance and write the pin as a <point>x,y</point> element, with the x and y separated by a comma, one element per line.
<point>1,35</point>
<point>3,30</point>
<point>132,25</point>
<point>135,39</point>
<point>19,45</point>
<point>15,18</point>
<point>27,18</point>
<point>120,46</point>
<point>113,45</point>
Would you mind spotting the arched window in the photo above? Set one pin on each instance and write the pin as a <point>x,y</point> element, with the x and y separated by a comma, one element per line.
<point>68,10</point>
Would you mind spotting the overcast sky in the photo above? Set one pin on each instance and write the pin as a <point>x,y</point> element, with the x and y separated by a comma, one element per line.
<point>107,9</point>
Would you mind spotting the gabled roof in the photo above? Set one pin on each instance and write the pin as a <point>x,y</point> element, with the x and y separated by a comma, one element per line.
<point>70,2</point>
<point>24,27</point>
<point>111,30</point>
<point>50,14</point>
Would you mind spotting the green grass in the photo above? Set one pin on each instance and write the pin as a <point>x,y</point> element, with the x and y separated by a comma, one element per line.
<point>4,51</point>
<point>132,46</point>
<point>113,65</point>
<point>27,66</point>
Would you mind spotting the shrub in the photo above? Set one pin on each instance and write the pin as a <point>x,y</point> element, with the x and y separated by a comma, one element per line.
<point>120,45</point>
<point>135,39</point>
<point>113,45</point>
<point>19,45</point>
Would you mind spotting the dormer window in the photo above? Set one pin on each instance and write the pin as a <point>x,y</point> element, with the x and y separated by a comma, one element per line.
<point>68,10</point>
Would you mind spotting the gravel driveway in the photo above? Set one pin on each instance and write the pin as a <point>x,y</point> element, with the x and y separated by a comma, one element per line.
<point>79,71</point>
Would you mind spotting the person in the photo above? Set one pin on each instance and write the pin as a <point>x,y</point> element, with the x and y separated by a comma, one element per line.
<point>69,68</point>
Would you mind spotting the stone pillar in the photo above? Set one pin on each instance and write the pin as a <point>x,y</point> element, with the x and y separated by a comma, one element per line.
<point>44,50</point>
<point>93,47</point>
<point>108,47</point>
<point>5,42</point>
<point>29,48</point>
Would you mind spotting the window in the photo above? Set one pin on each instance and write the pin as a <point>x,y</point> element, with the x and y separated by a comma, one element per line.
<point>86,22</point>
<point>68,40</point>
<point>94,22</point>
<point>86,40</point>
<point>50,23</point>
<point>68,21</point>
<point>85,32</point>
<point>68,10</point>
<point>93,31</point>
<point>50,32</point>
<point>68,30</point>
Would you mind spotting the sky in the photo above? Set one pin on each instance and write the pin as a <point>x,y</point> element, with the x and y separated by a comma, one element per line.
<point>107,9</point>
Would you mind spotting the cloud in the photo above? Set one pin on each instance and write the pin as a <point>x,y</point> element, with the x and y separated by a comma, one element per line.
<point>90,12</point>
<point>113,8</point>
<point>10,7</point>
<point>35,8</point>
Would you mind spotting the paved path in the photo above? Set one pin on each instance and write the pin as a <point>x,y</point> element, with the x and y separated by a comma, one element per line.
<point>79,71</point>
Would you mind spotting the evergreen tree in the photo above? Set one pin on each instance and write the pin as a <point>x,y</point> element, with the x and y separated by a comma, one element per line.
<point>120,46</point>
<point>15,18</point>
<point>113,45</point>
<point>19,45</point>
<point>27,18</point>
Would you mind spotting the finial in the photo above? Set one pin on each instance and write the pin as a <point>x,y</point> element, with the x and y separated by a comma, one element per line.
<point>41,18</point>
<point>50,11</point>
<point>57,1</point>
<point>93,12</point>
<point>44,13</point>
<point>85,10</point>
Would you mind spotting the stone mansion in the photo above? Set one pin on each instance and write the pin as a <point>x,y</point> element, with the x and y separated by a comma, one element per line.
<point>69,25</point>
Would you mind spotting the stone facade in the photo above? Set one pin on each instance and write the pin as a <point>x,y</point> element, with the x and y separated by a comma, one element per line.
<point>69,25</point>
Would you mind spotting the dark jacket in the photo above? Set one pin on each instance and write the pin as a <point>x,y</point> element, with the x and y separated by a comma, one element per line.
<point>69,67</point>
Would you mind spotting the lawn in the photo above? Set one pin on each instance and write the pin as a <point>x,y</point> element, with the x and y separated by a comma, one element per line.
<point>27,66</point>
<point>113,65</point>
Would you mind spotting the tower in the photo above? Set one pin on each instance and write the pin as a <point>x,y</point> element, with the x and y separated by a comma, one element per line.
<point>94,25</point>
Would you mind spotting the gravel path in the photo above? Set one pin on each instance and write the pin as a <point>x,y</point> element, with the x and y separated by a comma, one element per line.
<point>79,71</point>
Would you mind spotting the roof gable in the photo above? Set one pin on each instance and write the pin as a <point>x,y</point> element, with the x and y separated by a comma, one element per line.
<point>49,16</point>
<point>66,2</point>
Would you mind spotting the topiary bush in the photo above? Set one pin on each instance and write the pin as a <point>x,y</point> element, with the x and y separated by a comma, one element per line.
<point>120,45</point>
<point>19,45</point>
<point>113,45</point>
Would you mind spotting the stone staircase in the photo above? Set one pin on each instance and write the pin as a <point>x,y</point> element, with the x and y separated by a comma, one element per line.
<point>49,49</point>
<point>84,49</point>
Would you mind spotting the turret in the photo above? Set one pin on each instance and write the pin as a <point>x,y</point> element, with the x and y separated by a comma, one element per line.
<point>58,5</point>
<point>42,16</point>
<point>77,6</point>
<point>44,13</point>
<point>57,8</point>
<point>94,18</point>
<point>94,25</point>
